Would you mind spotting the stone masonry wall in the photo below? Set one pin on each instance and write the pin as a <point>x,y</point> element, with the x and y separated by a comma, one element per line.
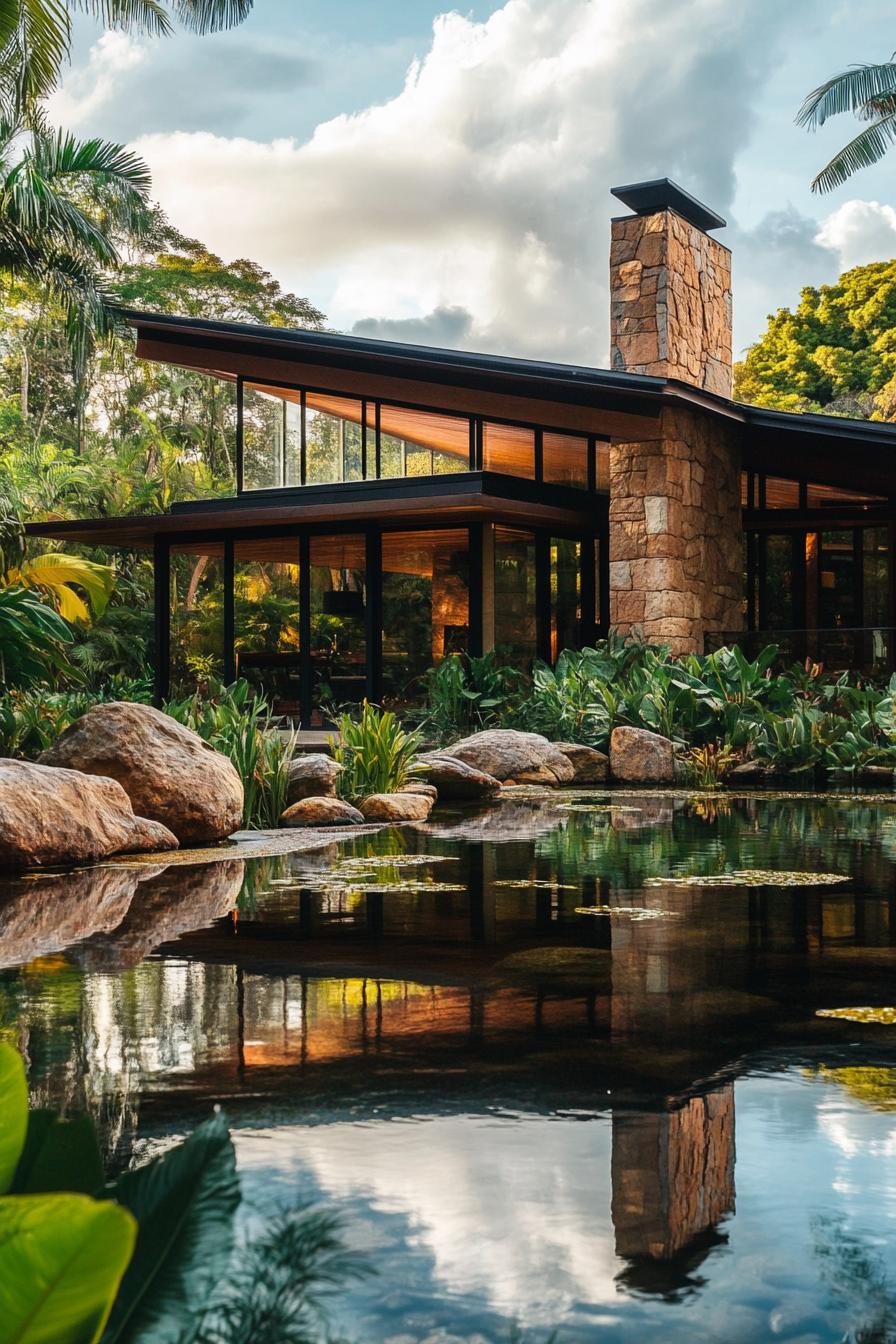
<point>676,561</point>
<point>670,309</point>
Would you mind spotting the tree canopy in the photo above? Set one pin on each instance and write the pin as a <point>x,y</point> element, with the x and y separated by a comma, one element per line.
<point>834,352</point>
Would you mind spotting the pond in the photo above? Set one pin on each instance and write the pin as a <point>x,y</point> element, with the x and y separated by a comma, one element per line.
<point>552,1086</point>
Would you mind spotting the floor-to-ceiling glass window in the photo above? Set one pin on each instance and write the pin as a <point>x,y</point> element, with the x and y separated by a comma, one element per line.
<point>515,623</point>
<point>425,607</point>
<point>566,595</point>
<point>509,449</point>
<point>266,627</point>
<point>422,443</point>
<point>197,617</point>
<point>333,439</point>
<point>565,459</point>
<point>777,581</point>
<point>272,437</point>
<point>338,596</point>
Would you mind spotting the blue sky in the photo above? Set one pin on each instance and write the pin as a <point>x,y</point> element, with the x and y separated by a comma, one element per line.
<point>444,175</point>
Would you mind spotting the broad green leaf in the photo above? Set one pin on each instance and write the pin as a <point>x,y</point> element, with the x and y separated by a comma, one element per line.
<point>59,1155</point>
<point>13,1113</point>
<point>184,1202</point>
<point>61,1261</point>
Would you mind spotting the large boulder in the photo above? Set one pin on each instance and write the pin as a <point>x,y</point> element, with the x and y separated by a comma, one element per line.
<point>169,773</point>
<point>589,766</point>
<point>455,781</point>
<point>312,776</point>
<point>640,757</point>
<point>396,807</point>
<point>59,818</point>
<point>321,812</point>
<point>418,786</point>
<point>508,755</point>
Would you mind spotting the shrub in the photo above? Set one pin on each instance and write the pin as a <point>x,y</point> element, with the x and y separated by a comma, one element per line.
<point>239,723</point>
<point>375,752</point>
<point>707,766</point>
<point>31,720</point>
<point>466,694</point>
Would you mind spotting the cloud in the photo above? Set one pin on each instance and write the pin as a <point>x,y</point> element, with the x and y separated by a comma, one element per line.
<point>860,232</point>
<point>482,185</point>
<point>444,326</point>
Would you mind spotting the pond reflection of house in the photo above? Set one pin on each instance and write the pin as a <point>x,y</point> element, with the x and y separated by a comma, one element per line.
<point>673,1182</point>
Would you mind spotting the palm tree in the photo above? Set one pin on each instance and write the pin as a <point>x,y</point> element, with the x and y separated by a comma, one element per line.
<point>869,92</point>
<point>35,35</point>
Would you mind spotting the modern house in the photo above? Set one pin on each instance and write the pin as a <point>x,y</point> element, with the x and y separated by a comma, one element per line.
<point>397,503</point>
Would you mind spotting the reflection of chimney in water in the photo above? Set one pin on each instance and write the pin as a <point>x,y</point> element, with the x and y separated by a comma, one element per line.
<point>673,1180</point>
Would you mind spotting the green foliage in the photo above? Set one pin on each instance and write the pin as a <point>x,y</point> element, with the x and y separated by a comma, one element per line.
<point>465,694</point>
<point>33,638</point>
<point>31,719</point>
<point>238,723</point>
<point>13,1113</point>
<point>717,708</point>
<point>184,1204</point>
<point>375,752</point>
<point>61,1260</point>
<point>707,766</point>
<point>154,1261</point>
<point>835,352</point>
<point>869,93</point>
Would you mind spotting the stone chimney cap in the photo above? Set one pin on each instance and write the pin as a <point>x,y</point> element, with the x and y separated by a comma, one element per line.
<point>648,198</point>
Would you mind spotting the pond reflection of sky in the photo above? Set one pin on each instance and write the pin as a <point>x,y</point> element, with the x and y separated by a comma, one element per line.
<point>619,1128</point>
<point>477,1222</point>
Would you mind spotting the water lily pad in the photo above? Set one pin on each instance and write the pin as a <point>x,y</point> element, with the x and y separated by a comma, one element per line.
<point>539,883</point>
<point>885,1017</point>
<point>570,963</point>
<point>750,877</point>
<point>596,807</point>
<point>637,913</point>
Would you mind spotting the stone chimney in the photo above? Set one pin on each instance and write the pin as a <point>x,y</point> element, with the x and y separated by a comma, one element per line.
<point>670,288</point>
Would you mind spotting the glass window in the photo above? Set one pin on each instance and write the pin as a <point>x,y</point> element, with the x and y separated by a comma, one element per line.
<point>514,595</point>
<point>837,579</point>
<point>777,590</point>
<point>781,493</point>
<point>422,443</point>
<point>566,596</point>
<point>565,459</point>
<point>829,496</point>
<point>332,439</point>
<point>875,576</point>
<point>272,437</point>
<point>266,619</point>
<point>426,606</point>
<point>338,637</point>
<point>197,617</point>
<point>508,449</point>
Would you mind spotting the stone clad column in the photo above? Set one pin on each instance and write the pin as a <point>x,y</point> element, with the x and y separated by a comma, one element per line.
<point>675,544</point>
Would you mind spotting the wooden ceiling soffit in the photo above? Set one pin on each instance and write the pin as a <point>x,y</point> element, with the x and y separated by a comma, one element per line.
<point>594,418</point>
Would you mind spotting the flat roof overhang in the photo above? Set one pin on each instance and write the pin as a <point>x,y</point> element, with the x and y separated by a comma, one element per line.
<point>625,407</point>
<point>417,502</point>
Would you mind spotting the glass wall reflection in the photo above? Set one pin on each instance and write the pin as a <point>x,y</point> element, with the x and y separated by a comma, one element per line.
<point>426,607</point>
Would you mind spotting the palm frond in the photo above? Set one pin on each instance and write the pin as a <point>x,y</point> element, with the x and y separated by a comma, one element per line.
<point>865,149</point>
<point>211,16</point>
<point>142,16</point>
<point>850,91</point>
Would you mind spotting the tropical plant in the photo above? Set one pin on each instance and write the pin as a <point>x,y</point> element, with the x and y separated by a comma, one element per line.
<point>466,694</point>
<point>35,35</point>
<point>33,638</point>
<point>239,723</point>
<point>151,1255</point>
<point>32,718</point>
<point>707,766</point>
<point>62,1251</point>
<point>376,753</point>
<point>868,91</point>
